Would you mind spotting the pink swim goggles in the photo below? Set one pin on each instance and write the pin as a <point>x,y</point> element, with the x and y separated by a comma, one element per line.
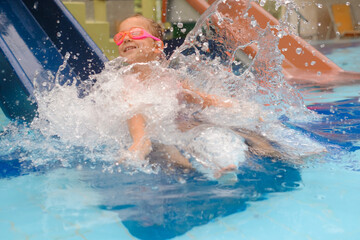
<point>133,33</point>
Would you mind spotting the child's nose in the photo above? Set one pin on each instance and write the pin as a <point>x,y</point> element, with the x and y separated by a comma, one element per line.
<point>127,38</point>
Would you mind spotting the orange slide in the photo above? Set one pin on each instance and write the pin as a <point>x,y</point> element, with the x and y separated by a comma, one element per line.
<point>302,63</point>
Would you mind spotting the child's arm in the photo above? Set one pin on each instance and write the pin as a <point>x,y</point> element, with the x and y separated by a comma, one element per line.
<point>141,143</point>
<point>208,99</point>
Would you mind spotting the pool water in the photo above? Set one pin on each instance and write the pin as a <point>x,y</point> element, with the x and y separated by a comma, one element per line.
<point>346,54</point>
<point>314,199</point>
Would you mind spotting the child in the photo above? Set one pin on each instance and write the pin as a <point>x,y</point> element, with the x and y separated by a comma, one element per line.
<point>139,41</point>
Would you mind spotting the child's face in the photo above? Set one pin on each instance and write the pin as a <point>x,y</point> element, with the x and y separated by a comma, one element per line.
<point>138,50</point>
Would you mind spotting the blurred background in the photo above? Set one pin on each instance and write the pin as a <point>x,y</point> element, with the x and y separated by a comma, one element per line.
<point>315,21</point>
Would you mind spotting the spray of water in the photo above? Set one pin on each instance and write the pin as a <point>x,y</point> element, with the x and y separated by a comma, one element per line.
<point>93,129</point>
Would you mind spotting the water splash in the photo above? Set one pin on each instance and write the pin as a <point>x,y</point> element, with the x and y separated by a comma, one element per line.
<point>226,31</point>
<point>214,59</point>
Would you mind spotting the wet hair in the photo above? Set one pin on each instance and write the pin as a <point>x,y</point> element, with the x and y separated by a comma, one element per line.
<point>155,28</point>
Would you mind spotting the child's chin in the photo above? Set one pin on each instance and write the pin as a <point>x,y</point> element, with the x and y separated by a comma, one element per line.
<point>131,58</point>
<point>135,60</point>
<point>139,59</point>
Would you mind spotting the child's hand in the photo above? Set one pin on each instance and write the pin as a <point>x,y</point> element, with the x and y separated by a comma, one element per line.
<point>141,146</point>
<point>137,152</point>
<point>142,149</point>
<point>126,156</point>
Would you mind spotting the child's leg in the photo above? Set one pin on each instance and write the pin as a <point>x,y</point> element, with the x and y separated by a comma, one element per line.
<point>171,154</point>
<point>258,145</point>
<point>295,144</point>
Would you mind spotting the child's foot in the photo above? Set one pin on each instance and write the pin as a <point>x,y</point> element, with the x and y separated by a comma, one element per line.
<point>229,178</point>
<point>227,175</point>
<point>225,170</point>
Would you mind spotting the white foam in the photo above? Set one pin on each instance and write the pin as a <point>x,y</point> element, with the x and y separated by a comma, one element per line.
<point>214,149</point>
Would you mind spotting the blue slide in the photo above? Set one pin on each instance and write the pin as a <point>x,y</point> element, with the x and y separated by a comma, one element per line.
<point>35,36</point>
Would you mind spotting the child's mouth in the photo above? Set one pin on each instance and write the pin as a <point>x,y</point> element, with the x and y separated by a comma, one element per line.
<point>129,48</point>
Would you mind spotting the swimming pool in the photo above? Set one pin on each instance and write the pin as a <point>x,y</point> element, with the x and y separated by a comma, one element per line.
<point>317,199</point>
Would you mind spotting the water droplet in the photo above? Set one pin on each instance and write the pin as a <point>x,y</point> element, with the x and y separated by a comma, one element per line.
<point>319,24</point>
<point>347,3</point>
<point>183,30</point>
<point>319,5</point>
<point>319,73</point>
<point>262,3</point>
<point>58,21</point>
<point>322,45</point>
<point>306,64</point>
<point>36,4</point>
<point>180,25</point>
<point>253,23</point>
<point>298,51</point>
<point>205,47</point>
<point>58,34</point>
<point>313,63</point>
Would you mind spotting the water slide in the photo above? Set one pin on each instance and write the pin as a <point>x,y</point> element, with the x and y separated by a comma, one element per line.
<point>302,63</point>
<point>35,37</point>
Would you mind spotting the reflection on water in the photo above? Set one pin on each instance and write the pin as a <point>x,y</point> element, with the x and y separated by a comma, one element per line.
<point>162,206</point>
